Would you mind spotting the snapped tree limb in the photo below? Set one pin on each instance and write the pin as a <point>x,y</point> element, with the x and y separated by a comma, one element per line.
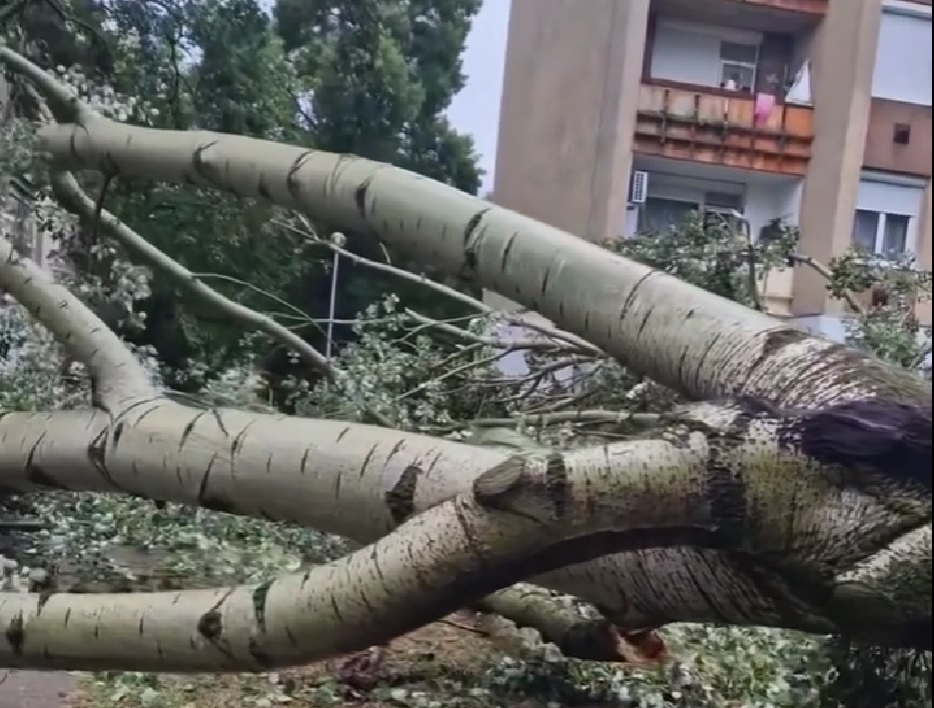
<point>681,336</point>
<point>732,478</point>
<point>466,548</point>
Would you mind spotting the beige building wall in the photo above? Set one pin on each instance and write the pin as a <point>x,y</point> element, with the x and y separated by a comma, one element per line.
<point>570,166</point>
<point>843,55</point>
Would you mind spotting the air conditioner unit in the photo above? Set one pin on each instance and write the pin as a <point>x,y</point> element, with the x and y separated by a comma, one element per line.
<point>638,187</point>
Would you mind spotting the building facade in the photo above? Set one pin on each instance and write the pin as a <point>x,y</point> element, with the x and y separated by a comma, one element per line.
<point>618,115</point>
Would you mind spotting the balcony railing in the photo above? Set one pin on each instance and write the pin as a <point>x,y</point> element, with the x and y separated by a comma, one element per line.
<point>810,7</point>
<point>716,127</point>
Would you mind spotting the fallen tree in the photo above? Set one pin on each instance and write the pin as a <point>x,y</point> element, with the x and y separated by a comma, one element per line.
<point>707,348</point>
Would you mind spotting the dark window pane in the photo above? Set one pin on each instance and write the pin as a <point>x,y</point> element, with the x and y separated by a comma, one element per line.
<point>865,225</point>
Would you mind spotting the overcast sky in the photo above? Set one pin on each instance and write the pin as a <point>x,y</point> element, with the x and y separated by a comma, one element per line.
<point>476,109</point>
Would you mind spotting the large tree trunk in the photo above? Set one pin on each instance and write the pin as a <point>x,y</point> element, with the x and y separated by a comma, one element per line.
<point>435,563</point>
<point>354,480</point>
<point>693,341</point>
<point>822,515</point>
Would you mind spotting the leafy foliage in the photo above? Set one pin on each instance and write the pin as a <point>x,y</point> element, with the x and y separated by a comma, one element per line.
<point>368,78</point>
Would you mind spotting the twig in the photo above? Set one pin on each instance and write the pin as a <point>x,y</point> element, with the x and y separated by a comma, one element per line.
<point>582,344</point>
<point>541,420</point>
<point>387,268</point>
<point>477,363</point>
<point>515,345</point>
<point>473,630</point>
<point>825,272</point>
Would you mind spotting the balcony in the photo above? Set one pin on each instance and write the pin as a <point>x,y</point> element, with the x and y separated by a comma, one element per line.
<point>720,127</point>
<point>771,15</point>
<point>808,7</point>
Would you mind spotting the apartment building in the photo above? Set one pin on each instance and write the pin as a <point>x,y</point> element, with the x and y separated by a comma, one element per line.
<point>618,115</point>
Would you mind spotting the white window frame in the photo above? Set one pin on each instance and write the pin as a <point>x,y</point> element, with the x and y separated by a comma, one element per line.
<point>880,231</point>
<point>753,67</point>
<point>698,205</point>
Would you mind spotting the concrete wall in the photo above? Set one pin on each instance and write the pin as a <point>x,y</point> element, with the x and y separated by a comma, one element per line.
<point>568,111</point>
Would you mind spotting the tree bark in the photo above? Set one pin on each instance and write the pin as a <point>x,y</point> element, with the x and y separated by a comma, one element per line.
<point>435,563</point>
<point>693,341</point>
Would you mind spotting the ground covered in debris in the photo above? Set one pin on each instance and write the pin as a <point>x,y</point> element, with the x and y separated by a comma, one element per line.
<point>454,663</point>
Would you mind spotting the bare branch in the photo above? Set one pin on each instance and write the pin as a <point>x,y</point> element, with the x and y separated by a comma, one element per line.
<point>71,196</point>
<point>333,246</point>
<point>512,344</point>
<point>518,320</point>
<point>541,420</point>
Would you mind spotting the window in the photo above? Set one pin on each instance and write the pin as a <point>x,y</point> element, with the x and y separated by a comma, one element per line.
<point>904,41</point>
<point>865,228</point>
<point>662,215</point>
<point>719,208</point>
<point>878,232</point>
<point>725,201</point>
<point>895,233</point>
<point>738,66</point>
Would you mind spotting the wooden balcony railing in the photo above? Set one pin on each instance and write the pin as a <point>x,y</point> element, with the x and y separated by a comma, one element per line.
<point>690,123</point>
<point>810,7</point>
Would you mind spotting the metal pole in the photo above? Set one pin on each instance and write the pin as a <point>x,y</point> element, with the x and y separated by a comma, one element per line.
<point>332,307</point>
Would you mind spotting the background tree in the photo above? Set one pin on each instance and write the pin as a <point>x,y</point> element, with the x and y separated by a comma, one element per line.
<point>207,65</point>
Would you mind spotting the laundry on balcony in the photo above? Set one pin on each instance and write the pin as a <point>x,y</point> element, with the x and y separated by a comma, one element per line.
<point>762,109</point>
<point>799,93</point>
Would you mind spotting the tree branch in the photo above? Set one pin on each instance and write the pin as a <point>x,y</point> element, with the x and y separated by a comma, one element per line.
<point>366,598</point>
<point>117,377</point>
<point>541,420</point>
<point>683,337</point>
<point>71,196</point>
<point>824,271</point>
<point>642,493</point>
<point>699,483</point>
<point>655,324</point>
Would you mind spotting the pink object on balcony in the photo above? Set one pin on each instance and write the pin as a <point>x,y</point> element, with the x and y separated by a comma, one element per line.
<point>765,102</point>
